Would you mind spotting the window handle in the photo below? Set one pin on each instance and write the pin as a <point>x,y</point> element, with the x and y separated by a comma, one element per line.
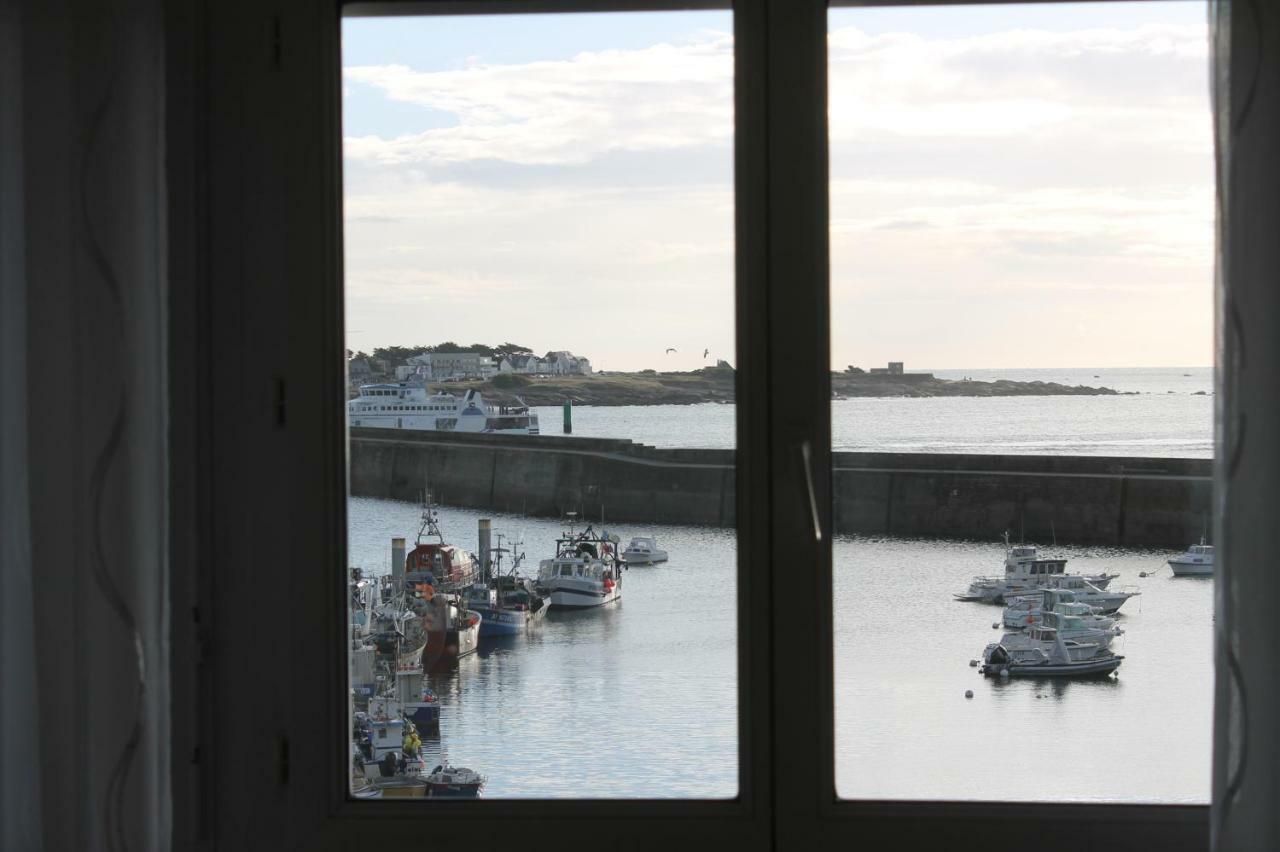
<point>806,461</point>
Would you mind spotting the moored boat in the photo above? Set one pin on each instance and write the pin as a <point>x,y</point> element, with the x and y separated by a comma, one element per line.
<point>1025,570</point>
<point>1196,561</point>
<point>585,571</point>
<point>643,550</point>
<point>1042,652</point>
<point>454,782</point>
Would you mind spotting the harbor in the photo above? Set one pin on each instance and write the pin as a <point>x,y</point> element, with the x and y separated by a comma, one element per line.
<point>655,674</point>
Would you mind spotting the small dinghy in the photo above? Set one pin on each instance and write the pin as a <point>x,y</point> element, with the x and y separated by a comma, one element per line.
<point>454,782</point>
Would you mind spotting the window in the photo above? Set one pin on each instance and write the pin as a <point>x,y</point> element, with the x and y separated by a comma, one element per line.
<point>997,170</point>
<point>535,183</point>
<point>783,499</point>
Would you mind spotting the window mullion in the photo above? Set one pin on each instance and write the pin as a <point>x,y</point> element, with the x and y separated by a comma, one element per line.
<point>799,375</point>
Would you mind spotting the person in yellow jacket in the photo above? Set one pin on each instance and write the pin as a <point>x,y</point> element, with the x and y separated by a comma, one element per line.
<point>411,742</point>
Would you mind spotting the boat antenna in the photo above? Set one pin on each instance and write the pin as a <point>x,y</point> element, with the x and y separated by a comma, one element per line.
<point>1054,531</point>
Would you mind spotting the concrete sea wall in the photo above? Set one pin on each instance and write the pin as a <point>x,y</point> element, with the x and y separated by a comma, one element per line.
<point>1084,499</point>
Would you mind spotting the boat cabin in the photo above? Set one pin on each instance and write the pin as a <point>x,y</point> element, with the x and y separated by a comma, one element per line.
<point>1035,567</point>
<point>451,565</point>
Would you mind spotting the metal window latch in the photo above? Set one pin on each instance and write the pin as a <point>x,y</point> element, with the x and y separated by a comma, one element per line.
<point>806,461</point>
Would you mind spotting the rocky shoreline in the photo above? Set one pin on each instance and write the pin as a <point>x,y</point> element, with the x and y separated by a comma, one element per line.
<point>716,384</point>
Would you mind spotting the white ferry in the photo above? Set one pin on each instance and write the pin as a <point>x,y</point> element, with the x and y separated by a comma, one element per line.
<point>408,406</point>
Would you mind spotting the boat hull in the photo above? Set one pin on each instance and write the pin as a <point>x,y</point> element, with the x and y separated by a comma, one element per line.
<point>1083,668</point>
<point>582,599</point>
<point>644,558</point>
<point>1191,569</point>
<point>509,622</point>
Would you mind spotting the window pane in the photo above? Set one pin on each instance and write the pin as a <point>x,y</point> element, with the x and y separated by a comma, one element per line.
<point>539,224</point>
<point>1022,356</point>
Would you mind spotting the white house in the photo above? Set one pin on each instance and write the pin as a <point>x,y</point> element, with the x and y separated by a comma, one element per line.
<point>454,365</point>
<point>564,363</point>
<point>523,364</point>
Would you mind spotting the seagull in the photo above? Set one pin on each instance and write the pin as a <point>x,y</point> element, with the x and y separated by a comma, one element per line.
<point>705,353</point>
<point>669,351</point>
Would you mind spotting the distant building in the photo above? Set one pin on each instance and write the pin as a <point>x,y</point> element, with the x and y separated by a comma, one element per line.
<point>526,365</point>
<point>894,369</point>
<point>453,365</point>
<point>563,363</point>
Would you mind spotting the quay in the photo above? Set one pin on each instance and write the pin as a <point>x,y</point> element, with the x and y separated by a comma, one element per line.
<point>1097,500</point>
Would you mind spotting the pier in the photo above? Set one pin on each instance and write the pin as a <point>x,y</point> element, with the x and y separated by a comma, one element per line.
<point>1102,500</point>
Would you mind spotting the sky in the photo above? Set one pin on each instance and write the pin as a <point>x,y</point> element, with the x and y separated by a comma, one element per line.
<point>1011,186</point>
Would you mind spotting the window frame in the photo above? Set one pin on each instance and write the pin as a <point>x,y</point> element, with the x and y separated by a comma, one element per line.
<point>270,432</point>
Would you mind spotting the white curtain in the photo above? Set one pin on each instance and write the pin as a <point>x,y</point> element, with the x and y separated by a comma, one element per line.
<point>84,729</point>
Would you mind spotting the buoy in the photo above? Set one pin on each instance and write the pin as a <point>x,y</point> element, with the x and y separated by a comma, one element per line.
<point>1004,673</point>
<point>973,663</point>
<point>1142,573</point>
<point>995,626</point>
<point>968,693</point>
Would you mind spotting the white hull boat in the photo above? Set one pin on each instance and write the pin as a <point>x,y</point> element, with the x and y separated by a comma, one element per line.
<point>1197,561</point>
<point>584,573</point>
<point>1042,652</point>
<point>643,550</point>
<point>1024,571</point>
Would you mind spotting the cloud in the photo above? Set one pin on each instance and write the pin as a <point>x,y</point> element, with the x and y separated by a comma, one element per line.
<point>661,97</point>
<point>1063,171</point>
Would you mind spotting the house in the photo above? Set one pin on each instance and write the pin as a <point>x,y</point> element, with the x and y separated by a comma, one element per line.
<point>523,364</point>
<point>453,365</point>
<point>564,363</point>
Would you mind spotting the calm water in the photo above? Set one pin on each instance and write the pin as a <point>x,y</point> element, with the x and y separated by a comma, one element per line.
<point>905,730</point>
<point>638,699</point>
<point>1170,414</point>
<point>631,700</point>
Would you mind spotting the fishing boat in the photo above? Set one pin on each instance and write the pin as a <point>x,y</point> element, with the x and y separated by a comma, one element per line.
<point>409,406</point>
<point>454,782</point>
<point>362,595</point>
<point>584,572</point>
<point>1042,652</point>
<point>1024,570</point>
<point>452,630</point>
<point>643,550</point>
<point>380,756</point>
<point>1196,561</point>
<point>509,604</point>
<point>451,568</point>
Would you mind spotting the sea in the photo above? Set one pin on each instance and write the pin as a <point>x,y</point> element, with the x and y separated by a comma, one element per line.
<point>1166,412</point>
<point>638,699</point>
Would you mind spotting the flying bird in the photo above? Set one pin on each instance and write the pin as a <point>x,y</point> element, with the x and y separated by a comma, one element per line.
<point>705,353</point>
<point>669,351</point>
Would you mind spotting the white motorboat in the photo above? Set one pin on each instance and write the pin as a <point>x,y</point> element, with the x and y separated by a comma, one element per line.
<point>1024,571</point>
<point>1028,609</point>
<point>584,573</point>
<point>643,550</point>
<point>1105,601</point>
<point>1197,561</point>
<point>409,406</point>
<point>1042,652</point>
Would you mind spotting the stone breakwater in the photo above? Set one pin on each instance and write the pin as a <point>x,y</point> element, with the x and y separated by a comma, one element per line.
<point>1139,502</point>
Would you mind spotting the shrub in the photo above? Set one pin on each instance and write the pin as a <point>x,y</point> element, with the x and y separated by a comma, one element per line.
<point>509,380</point>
